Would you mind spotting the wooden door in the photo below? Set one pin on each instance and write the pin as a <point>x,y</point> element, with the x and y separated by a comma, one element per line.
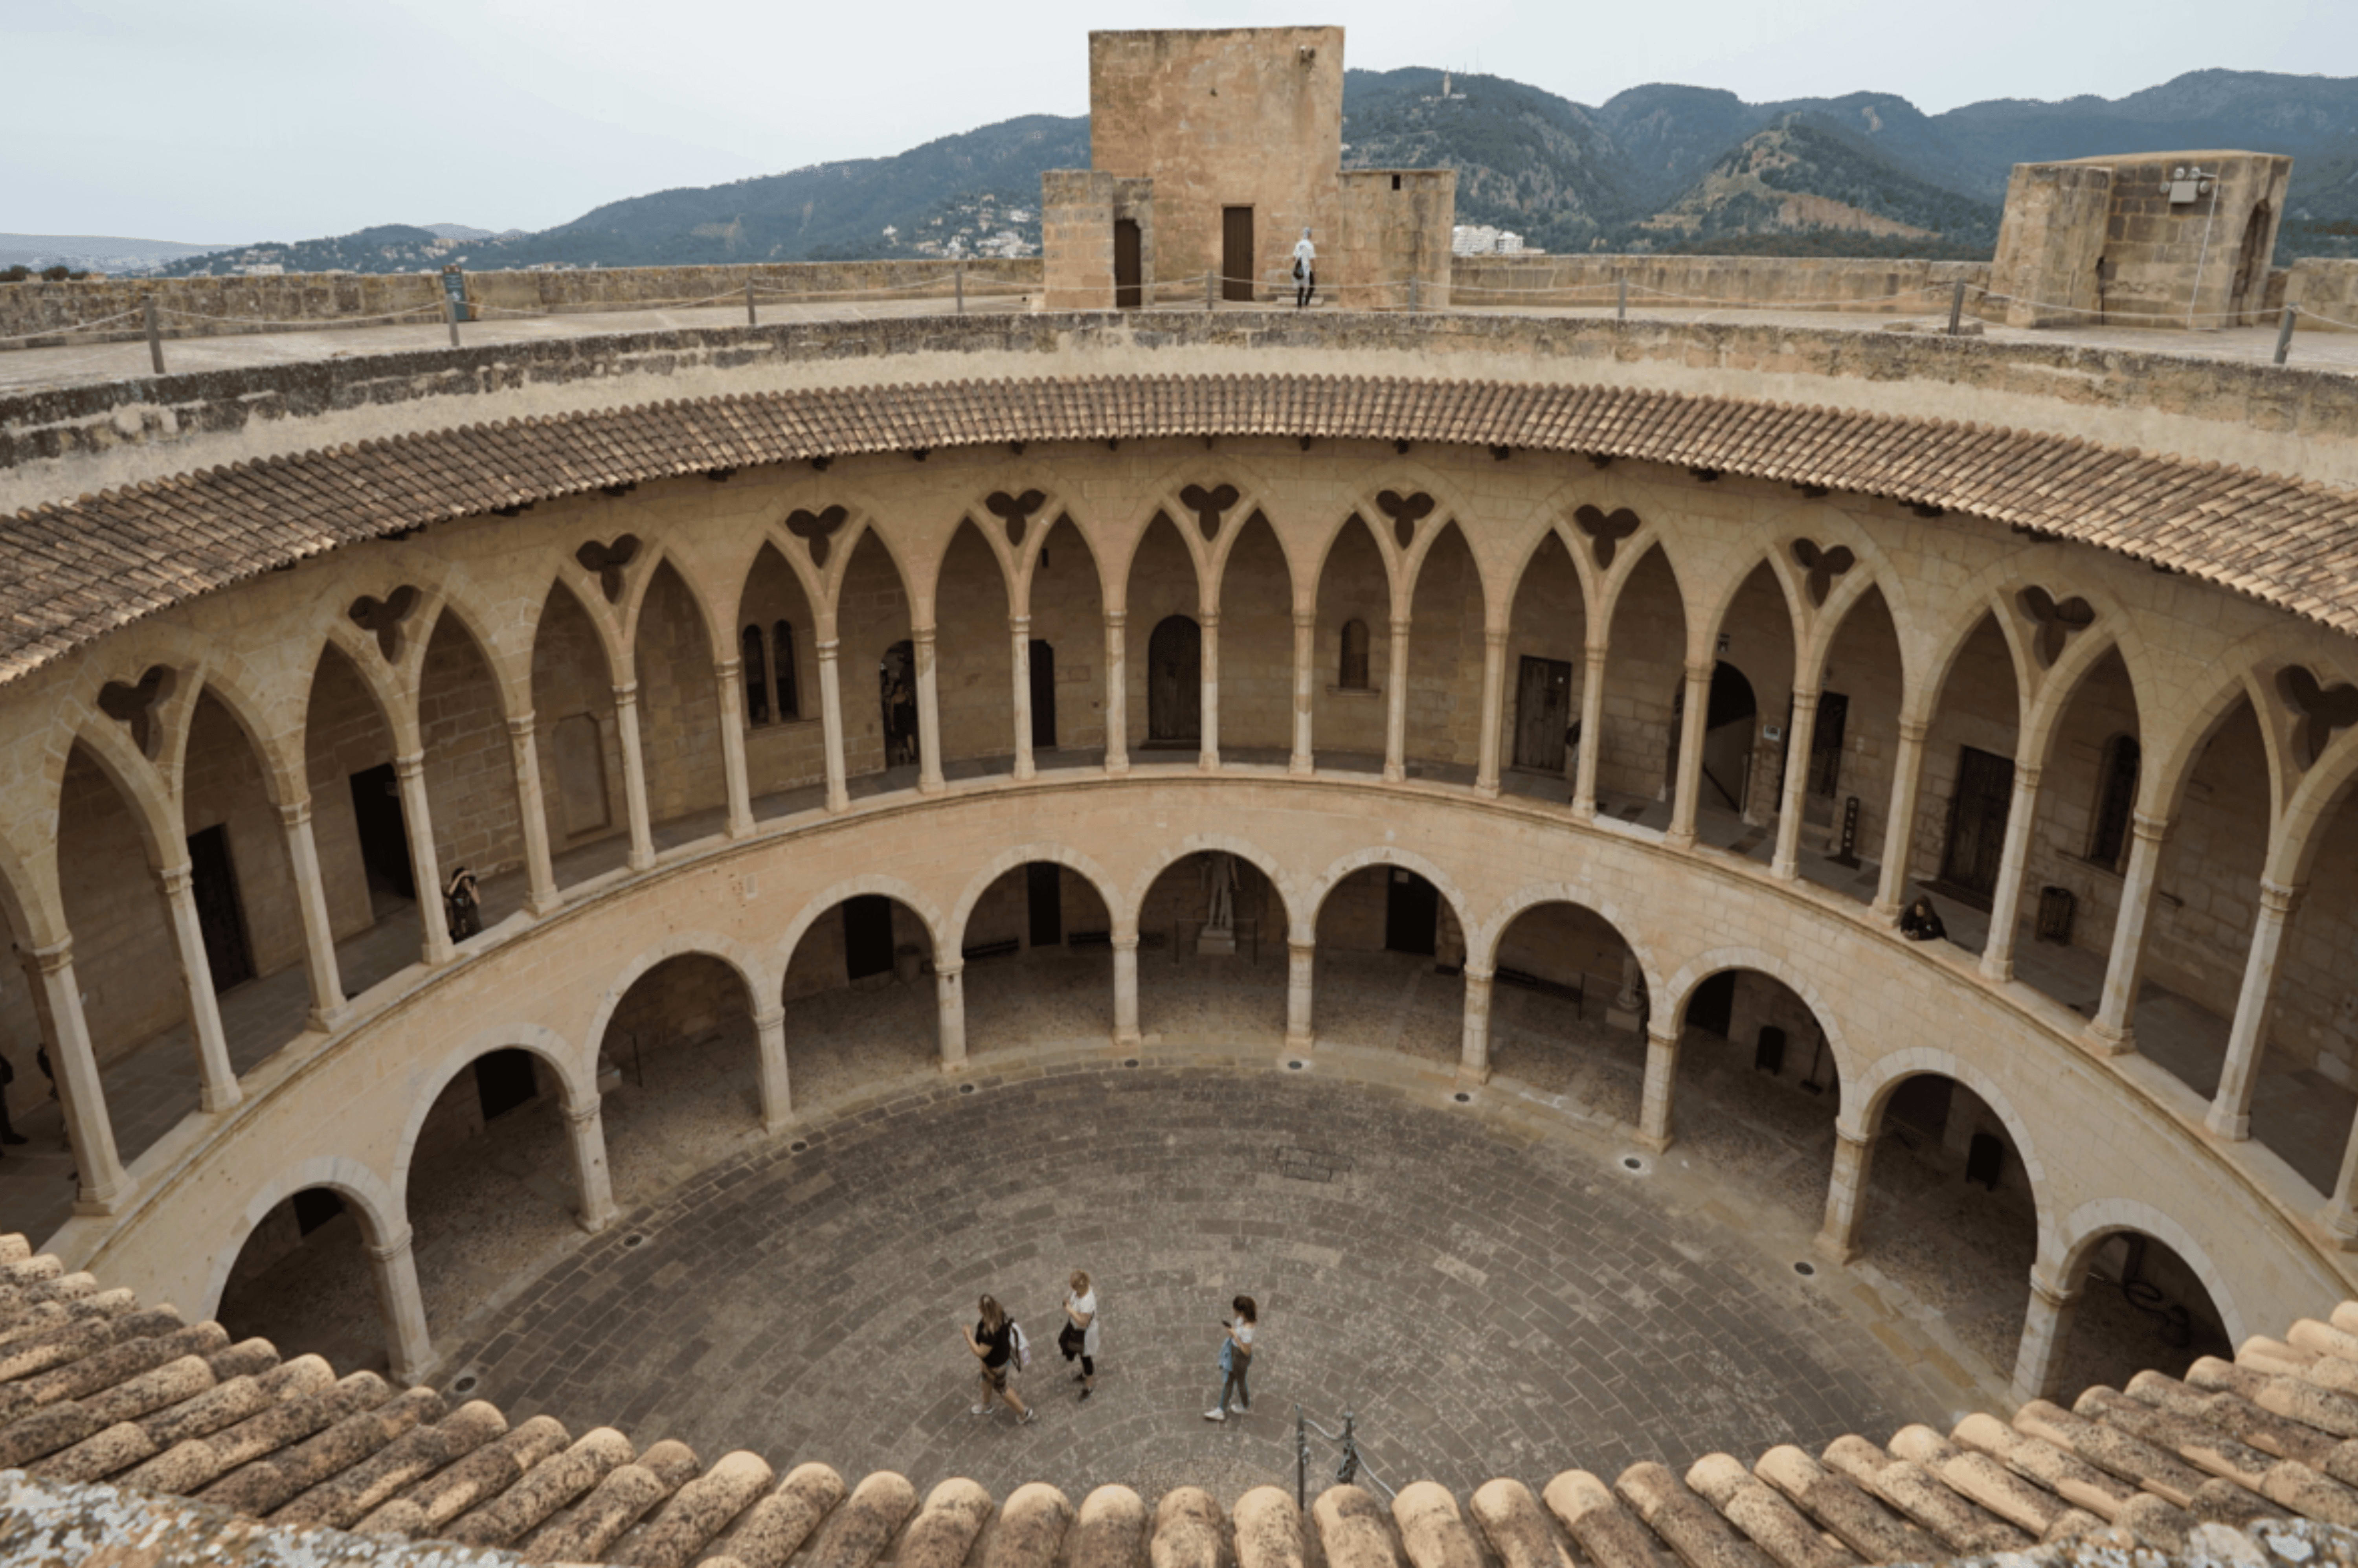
<point>1043,892</point>
<point>1175,682</point>
<point>1412,914</point>
<point>1977,821</point>
<point>1043,696</point>
<point>1237,253</point>
<point>1129,267</point>
<point>220,917</point>
<point>867,935</point>
<point>1543,709</point>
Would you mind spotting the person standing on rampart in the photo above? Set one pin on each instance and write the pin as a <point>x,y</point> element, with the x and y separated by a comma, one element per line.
<point>1305,271</point>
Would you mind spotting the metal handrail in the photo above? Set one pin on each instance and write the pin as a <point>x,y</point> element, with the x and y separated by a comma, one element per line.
<point>1346,1472</point>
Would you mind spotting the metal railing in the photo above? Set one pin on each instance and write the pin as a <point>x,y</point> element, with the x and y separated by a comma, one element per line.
<point>1350,1467</point>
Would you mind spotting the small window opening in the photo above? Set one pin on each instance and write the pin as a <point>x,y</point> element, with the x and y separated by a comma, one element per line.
<point>1396,182</point>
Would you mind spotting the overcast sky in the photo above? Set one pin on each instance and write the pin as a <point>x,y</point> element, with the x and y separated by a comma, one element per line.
<point>217,120</point>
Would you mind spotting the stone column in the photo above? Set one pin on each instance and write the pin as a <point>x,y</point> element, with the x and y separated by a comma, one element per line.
<point>777,1094</point>
<point>2111,1030</point>
<point>1207,756</point>
<point>2006,904</point>
<point>1396,705</point>
<point>1837,1241</point>
<point>418,818</point>
<point>541,896</point>
<point>1592,732</point>
<point>929,711</point>
<point>319,932</point>
<point>1494,698</point>
<point>1300,959</point>
<point>950,996</point>
<point>831,710</point>
<point>1304,761</point>
<point>634,776</point>
<point>1117,692</point>
<point>1661,1086</point>
<point>729,686</point>
<point>2231,1111</point>
<point>1018,630</point>
<point>2045,1328</point>
<point>594,1189</point>
<point>216,1079</point>
<point>2340,1216</point>
<point>408,1347</point>
<point>1686,790</point>
<point>1899,826</point>
<point>1125,989</point>
<point>1474,1049</point>
<point>1787,865</point>
<point>105,1185</point>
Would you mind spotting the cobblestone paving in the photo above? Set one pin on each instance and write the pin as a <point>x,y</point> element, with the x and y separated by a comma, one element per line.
<point>1486,1303</point>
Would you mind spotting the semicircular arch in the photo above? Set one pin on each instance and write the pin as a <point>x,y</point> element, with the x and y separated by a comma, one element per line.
<point>1006,861</point>
<point>2086,1227</point>
<point>382,1216</point>
<point>575,1076</point>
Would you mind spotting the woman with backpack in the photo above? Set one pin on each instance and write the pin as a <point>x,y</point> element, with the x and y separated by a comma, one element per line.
<point>996,1344</point>
<point>1235,1358</point>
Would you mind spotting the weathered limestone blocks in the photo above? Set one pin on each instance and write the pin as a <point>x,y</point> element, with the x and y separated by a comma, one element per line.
<point>1268,1531</point>
<point>1608,1534</point>
<point>1352,1529</point>
<point>620,1500</point>
<point>773,1528</point>
<point>1190,1531</point>
<point>1774,1525</point>
<point>548,1487</point>
<point>1111,1531</point>
<point>486,1474</point>
<point>1518,1533</point>
<point>698,1512</point>
<point>1847,1511</point>
<point>342,1500</point>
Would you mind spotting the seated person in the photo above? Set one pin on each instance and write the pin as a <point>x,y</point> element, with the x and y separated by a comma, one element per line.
<point>1921,922</point>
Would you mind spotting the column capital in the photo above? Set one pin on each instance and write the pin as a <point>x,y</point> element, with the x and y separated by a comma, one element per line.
<point>1655,1036</point>
<point>773,1019</point>
<point>922,636</point>
<point>1494,636</point>
<point>1209,620</point>
<point>410,766</point>
<point>950,971</point>
<point>728,669</point>
<point>2026,777</point>
<point>1479,977</point>
<point>2277,898</point>
<point>1126,944</point>
<point>1306,619</point>
<point>583,1115</point>
<point>1913,730</point>
<point>1301,949</point>
<point>1400,625</point>
<point>1699,675</point>
<point>177,880</point>
<point>1853,1135</point>
<point>627,694</point>
<point>293,814</point>
<point>57,956</point>
<point>1117,617</point>
<point>1596,652</point>
<point>2154,830</point>
<point>826,648</point>
<point>1805,700</point>
<point>524,726</point>
<point>2050,1294</point>
<point>394,1248</point>
<point>1021,625</point>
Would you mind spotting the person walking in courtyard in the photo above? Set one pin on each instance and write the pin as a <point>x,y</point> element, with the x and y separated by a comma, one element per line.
<point>1080,1333</point>
<point>994,1339</point>
<point>1235,1358</point>
<point>1305,270</point>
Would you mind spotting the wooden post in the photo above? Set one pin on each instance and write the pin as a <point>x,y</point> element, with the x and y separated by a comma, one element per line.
<point>2284,332</point>
<point>450,315</point>
<point>1956,307</point>
<point>156,338</point>
<point>751,320</point>
<point>957,275</point>
<point>1212,289</point>
<point>1621,300</point>
<point>1411,296</point>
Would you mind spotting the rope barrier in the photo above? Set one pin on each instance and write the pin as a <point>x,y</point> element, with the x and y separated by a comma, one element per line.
<point>77,327</point>
<point>273,321</point>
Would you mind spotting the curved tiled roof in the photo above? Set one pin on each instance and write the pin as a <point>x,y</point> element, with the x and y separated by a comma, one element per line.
<point>94,1387</point>
<point>69,573</point>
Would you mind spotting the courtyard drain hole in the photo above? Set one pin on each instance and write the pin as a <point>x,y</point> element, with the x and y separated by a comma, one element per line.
<point>965,1089</point>
<point>798,1146</point>
<point>1805,1269</point>
<point>1461,1097</point>
<point>1635,1166</point>
<point>1295,1066</point>
<point>1130,1061</point>
<point>633,1240</point>
<point>465,1385</point>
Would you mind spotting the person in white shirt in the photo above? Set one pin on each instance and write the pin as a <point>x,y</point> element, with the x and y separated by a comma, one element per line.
<point>1081,1338</point>
<point>1235,1358</point>
<point>1305,270</point>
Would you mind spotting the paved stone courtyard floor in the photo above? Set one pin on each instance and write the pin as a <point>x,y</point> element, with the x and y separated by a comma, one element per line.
<point>1486,1284</point>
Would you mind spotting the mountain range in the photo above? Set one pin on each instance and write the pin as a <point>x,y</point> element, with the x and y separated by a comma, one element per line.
<point>1658,167</point>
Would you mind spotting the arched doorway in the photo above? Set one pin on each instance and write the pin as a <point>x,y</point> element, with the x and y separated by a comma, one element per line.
<point>1389,961</point>
<point>302,1281</point>
<point>1568,1009</point>
<point>2139,1305</point>
<point>1193,983</point>
<point>861,999</point>
<point>1756,1089</point>
<point>1728,726</point>
<point>1174,683</point>
<point>1038,950</point>
<point>685,1055</point>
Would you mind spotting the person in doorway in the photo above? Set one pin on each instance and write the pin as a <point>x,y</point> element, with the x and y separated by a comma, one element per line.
<point>1235,1358</point>
<point>993,1339</point>
<point>462,906</point>
<point>1921,922</point>
<point>1305,271</point>
<point>1079,1337</point>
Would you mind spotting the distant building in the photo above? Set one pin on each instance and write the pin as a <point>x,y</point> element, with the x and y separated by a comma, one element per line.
<point>1482,240</point>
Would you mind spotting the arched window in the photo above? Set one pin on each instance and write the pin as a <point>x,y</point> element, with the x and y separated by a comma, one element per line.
<point>2116,800</point>
<point>757,678</point>
<point>790,700</point>
<point>1352,675</point>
